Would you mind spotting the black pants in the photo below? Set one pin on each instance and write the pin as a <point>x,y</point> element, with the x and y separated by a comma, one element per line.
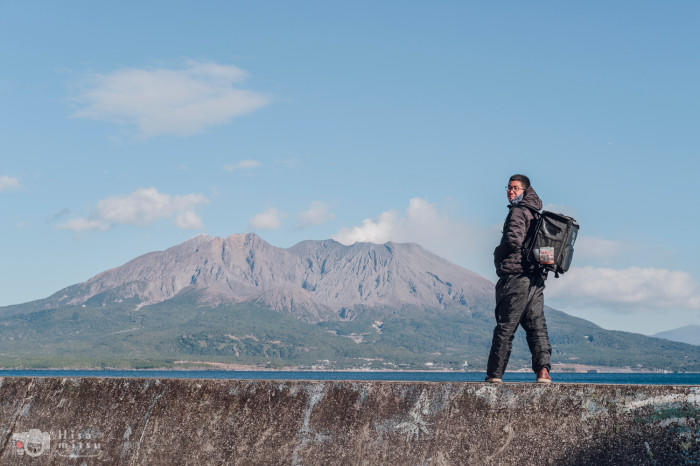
<point>519,300</point>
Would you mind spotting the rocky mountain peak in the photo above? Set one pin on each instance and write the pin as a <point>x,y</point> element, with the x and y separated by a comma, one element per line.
<point>315,280</point>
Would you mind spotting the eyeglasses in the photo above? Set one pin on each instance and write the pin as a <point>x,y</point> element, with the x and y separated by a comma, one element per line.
<point>514,188</point>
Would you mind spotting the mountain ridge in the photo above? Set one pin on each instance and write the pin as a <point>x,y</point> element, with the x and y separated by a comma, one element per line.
<point>314,279</point>
<point>689,334</point>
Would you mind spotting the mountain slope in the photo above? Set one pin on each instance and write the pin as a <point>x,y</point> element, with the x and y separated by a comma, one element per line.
<point>688,334</point>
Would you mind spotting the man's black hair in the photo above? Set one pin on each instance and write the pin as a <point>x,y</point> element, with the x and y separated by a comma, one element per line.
<point>522,178</point>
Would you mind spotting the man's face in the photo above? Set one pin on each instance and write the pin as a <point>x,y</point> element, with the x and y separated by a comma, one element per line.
<point>515,189</point>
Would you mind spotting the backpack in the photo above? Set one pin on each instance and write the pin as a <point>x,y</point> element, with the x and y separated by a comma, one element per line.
<point>551,244</point>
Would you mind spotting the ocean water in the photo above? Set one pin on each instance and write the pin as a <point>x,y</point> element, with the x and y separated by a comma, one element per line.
<point>564,377</point>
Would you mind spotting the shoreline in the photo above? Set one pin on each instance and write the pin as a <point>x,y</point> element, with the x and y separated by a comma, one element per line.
<point>244,368</point>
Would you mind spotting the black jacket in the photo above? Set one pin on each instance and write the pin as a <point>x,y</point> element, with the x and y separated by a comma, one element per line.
<point>509,255</point>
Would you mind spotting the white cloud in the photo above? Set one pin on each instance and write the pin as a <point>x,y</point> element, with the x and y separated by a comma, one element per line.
<point>632,288</point>
<point>387,226</point>
<point>466,244</point>
<point>422,223</point>
<point>270,219</point>
<point>7,183</point>
<point>141,207</point>
<point>189,221</point>
<point>144,206</point>
<point>316,214</point>
<point>243,164</point>
<point>180,101</point>
<point>84,224</point>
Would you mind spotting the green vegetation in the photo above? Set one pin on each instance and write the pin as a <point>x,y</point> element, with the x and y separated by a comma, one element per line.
<point>117,336</point>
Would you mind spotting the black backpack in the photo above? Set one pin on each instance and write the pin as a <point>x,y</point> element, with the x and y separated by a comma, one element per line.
<point>551,244</point>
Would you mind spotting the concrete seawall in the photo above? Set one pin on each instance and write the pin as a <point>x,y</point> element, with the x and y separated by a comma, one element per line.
<point>177,421</point>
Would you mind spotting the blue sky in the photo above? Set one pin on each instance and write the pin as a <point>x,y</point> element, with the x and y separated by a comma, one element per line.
<point>130,127</point>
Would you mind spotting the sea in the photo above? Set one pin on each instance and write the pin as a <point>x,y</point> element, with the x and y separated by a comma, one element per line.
<point>424,376</point>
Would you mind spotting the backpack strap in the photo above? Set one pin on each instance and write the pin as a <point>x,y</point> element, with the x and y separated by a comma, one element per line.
<point>538,212</point>
<point>532,232</point>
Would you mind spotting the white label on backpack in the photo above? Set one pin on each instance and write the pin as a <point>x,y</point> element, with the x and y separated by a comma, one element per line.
<point>546,255</point>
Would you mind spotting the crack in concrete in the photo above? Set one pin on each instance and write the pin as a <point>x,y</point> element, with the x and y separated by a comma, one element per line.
<point>416,424</point>
<point>146,417</point>
<point>305,431</point>
<point>508,429</point>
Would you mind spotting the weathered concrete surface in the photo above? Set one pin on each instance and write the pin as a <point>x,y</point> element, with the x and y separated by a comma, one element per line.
<point>175,421</point>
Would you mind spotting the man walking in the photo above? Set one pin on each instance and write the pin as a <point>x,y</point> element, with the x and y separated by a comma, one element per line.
<point>519,291</point>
